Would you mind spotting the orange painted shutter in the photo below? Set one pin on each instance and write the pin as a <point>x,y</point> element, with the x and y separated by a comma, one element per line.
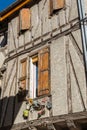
<point>58,4</point>
<point>25,19</point>
<point>23,74</point>
<point>43,65</point>
<point>50,7</point>
<point>24,68</point>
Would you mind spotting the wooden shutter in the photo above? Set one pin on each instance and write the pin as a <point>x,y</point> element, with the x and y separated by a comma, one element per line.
<point>24,63</point>
<point>25,19</point>
<point>58,4</point>
<point>23,74</point>
<point>22,79</point>
<point>43,66</point>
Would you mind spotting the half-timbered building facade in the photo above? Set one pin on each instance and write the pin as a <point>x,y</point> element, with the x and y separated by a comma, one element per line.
<point>43,65</point>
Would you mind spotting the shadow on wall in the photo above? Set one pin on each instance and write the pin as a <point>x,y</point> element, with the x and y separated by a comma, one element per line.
<point>4,41</point>
<point>0,92</point>
<point>9,108</point>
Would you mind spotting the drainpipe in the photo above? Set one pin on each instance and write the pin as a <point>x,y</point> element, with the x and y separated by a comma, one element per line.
<point>83,29</point>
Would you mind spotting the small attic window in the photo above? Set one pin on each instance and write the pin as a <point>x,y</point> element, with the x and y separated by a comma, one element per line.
<point>3,40</point>
<point>55,5</point>
<point>24,19</point>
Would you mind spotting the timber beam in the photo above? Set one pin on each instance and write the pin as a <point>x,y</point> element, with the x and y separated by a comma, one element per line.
<point>80,116</point>
<point>14,53</point>
<point>50,126</point>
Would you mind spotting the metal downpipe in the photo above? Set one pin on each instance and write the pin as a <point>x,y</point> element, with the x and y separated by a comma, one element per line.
<point>83,30</point>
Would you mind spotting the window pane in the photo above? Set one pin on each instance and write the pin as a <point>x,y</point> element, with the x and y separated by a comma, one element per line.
<point>34,77</point>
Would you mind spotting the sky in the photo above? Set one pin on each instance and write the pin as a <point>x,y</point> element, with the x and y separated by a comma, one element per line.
<point>5,3</point>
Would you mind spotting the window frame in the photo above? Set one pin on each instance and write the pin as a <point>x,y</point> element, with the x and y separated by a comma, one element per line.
<point>30,92</point>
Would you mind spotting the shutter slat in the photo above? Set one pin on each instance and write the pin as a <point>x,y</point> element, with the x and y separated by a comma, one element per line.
<point>43,64</point>
<point>45,83</point>
<point>25,19</point>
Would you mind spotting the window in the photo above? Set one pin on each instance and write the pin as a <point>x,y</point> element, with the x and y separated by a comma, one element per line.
<point>55,5</point>
<point>23,74</point>
<point>39,74</point>
<point>24,18</point>
<point>34,76</point>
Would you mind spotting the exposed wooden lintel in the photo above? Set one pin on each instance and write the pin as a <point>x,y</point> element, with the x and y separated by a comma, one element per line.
<point>56,119</point>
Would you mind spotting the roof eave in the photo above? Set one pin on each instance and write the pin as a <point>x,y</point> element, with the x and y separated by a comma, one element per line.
<point>13,8</point>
